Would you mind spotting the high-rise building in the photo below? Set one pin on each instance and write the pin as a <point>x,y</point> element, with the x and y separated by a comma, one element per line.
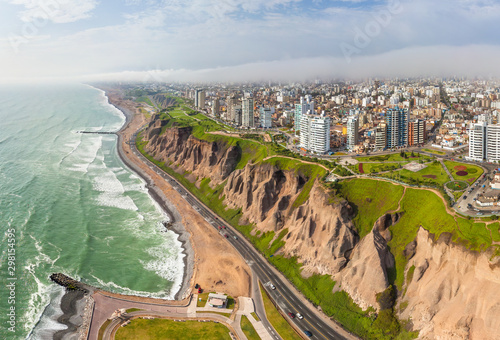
<point>477,142</point>
<point>381,137</point>
<point>199,99</point>
<point>306,104</point>
<point>237,114</point>
<point>247,112</point>
<point>315,133</point>
<point>352,132</point>
<point>216,107</point>
<point>231,102</point>
<point>416,132</point>
<point>397,127</point>
<point>266,114</point>
<point>493,142</point>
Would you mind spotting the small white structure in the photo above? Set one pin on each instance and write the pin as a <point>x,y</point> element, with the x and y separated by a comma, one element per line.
<point>217,300</point>
<point>495,183</point>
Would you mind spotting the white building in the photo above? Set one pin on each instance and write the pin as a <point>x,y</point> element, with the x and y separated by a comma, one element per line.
<point>266,114</point>
<point>352,132</point>
<point>493,142</point>
<point>477,142</point>
<point>315,133</point>
<point>247,112</point>
<point>306,104</point>
<point>381,137</point>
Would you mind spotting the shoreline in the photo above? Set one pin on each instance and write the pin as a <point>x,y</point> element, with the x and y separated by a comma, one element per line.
<point>75,304</point>
<point>158,196</point>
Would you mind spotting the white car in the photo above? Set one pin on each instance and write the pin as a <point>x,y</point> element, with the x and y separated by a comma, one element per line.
<point>272,286</point>
<point>299,316</point>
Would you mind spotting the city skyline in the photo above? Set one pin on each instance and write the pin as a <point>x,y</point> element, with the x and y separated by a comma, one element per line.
<point>246,40</point>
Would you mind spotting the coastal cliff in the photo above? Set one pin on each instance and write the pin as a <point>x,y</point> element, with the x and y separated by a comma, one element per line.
<point>449,292</point>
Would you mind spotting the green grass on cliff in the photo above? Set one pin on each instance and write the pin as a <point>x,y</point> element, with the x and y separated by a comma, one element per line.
<point>364,196</point>
<point>419,208</point>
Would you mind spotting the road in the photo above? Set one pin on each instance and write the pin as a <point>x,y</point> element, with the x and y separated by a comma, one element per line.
<point>287,300</point>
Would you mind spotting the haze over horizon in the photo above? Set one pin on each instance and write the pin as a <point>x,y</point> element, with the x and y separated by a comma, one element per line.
<point>241,40</point>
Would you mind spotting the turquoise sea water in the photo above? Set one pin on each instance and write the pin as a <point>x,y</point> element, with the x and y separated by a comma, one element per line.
<point>73,207</point>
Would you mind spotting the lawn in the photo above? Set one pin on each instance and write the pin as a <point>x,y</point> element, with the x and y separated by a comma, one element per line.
<point>474,235</point>
<point>370,168</point>
<point>202,300</point>
<point>277,320</point>
<point>367,203</point>
<point>495,232</point>
<point>473,172</point>
<point>159,329</point>
<point>247,328</point>
<point>457,185</point>
<point>436,152</point>
<point>394,157</point>
<point>433,175</point>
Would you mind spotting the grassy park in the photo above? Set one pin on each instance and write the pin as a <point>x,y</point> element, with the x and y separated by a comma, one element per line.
<point>436,152</point>
<point>464,172</point>
<point>433,175</point>
<point>159,329</point>
<point>457,185</point>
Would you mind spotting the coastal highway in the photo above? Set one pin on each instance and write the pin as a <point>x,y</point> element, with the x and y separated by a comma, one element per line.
<point>287,300</point>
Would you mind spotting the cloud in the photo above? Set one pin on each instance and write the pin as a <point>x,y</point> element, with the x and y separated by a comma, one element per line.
<point>440,61</point>
<point>57,11</point>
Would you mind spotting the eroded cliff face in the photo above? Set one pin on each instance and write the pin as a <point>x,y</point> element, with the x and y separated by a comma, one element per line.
<point>320,234</point>
<point>454,293</point>
<point>366,273</point>
<point>201,158</point>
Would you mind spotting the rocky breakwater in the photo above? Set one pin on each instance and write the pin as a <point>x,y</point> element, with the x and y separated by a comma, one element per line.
<point>77,306</point>
<point>69,283</point>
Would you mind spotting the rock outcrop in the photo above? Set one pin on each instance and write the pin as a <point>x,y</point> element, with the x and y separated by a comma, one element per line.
<point>454,292</point>
<point>366,273</point>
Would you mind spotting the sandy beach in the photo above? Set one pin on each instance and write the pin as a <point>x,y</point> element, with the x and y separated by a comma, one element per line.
<point>215,264</point>
<point>209,260</point>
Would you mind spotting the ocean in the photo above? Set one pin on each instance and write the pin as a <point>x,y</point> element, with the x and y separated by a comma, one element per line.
<point>68,204</point>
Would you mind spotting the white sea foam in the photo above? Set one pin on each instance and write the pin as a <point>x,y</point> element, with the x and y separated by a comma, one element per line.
<point>47,323</point>
<point>104,101</point>
<point>168,262</point>
<point>112,191</point>
<point>124,290</point>
<point>40,299</point>
<point>85,154</point>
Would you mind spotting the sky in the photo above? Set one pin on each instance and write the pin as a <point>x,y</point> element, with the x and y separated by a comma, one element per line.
<point>247,40</point>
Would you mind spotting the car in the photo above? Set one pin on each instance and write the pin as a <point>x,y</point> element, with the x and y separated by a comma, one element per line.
<point>299,316</point>
<point>465,197</point>
<point>226,235</point>
<point>272,286</point>
<point>291,315</point>
<point>235,237</point>
<point>309,334</point>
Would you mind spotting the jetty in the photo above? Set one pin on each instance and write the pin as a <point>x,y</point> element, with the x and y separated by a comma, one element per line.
<point>99,132</point>
<point>70,283</point>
